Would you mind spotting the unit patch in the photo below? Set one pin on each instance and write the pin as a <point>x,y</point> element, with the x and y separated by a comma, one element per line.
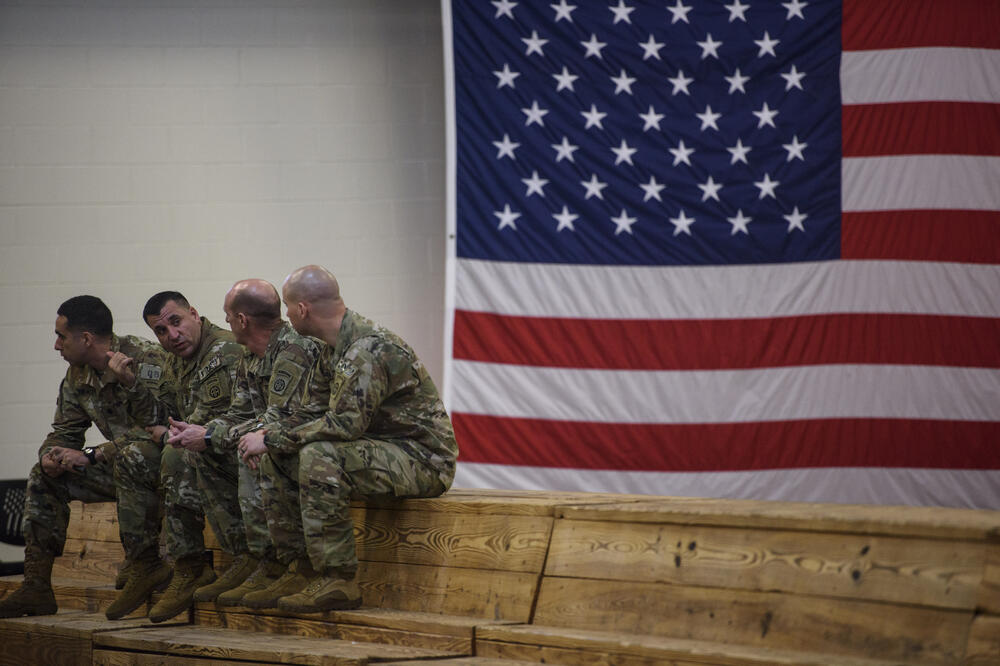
<point>280,382</point>
<point>150,372</point>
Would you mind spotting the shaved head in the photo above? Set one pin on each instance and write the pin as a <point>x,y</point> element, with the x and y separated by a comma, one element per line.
<point>312,284</point>
<point>257,299</point>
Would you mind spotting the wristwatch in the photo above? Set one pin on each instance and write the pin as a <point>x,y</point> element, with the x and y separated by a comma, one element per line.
<point>208,436</point>
<point>91,453</point>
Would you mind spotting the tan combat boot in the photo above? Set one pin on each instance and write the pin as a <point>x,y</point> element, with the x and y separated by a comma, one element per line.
<point>333,590</point>
<point>267,572</point>
<point>243,565</point>
<point>145,577</point>
<point>124,571</point>
<point>190,573</point>
<point>35,595</point>
<point>297,577</point>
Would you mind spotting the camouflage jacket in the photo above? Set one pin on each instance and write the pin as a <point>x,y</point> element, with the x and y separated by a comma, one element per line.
<point>88,397</point>
<point>198,389</point>
<point>270,391</point>
<point>379,389</point>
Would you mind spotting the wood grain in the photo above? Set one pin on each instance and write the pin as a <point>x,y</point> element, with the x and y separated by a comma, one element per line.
<point>984,641</point>
<point>894,569</point>
<point>989,593</point>
<point>116,658</point>
<point>96,561</point>
<point>502,502</point>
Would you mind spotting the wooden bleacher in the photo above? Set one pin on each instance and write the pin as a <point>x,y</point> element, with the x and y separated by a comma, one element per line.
<point>498,577</point>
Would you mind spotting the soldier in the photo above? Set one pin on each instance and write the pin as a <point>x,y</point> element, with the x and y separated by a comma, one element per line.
<point>269,394</point>
<point>385,433</point>
<point>91,394</point>
<point>200,376</point>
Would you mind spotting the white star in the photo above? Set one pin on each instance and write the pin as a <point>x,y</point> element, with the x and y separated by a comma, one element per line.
<point>795,220</point>
<point>709,47</point>
<point>594,187</point>
<point>563,11</point>
<point>739,223</point>
<point>652,189</point>
<point>651,48</point>
<point>681,153</point>
<point>504,7</point>
<point>623,223</point>
<point>680,83</point>
<point>535,114</point>
<point>680,12</point>
<point>651,119</point>
<point>534,44</point>
<point>766,45</point>
<point>709,189</point>
<point>766,116</point>
<point>623,82</point>
<point>565,80</point>
<point>793,78</point>
<point>593,47</point>
<point>739,152</point>
<point>506,147</point>
<point>565,219</point>
<point>507,217</point>
<point>766,186</point>
<point>737,11</point>
<point>565,150</point>
<point>593,117</point>
<point>795,149</point>
<point>794,9</point>
<point>535,184</point>
<point>708,118</point>
<point>682,223</point>
<point>622,12</point>
<point>624,153</point>
<point>506,76</point>
<point>736,82</point>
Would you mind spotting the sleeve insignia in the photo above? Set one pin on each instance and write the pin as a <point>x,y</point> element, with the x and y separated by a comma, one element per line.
<point>149,372</point>
<point>280,382</point>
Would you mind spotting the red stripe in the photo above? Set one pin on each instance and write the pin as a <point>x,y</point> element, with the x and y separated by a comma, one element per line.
<point>971,236</point>
<point>729,446</point>
<point>891,24</point>
<point>714,344</point>
<point>921,128</point>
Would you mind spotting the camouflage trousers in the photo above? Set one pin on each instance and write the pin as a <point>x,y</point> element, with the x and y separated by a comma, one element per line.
<point>218,487</point>
<point>307,496</point>
<point>131,479</point>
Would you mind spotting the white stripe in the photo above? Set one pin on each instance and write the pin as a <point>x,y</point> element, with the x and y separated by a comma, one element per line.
<point>962,488</point>
<point>726,292</point>
<point>922,74</point>
<point>916,182</point>
<point>724,396</point>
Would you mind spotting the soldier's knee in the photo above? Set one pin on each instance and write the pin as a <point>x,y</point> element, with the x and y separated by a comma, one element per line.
<point>318,459</point>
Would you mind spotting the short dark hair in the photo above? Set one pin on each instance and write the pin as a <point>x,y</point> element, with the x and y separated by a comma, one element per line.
<point>87,313</point>
<point>157,301</point>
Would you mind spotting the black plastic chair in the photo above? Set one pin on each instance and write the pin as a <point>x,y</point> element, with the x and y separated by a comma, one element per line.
<point>12,497</point>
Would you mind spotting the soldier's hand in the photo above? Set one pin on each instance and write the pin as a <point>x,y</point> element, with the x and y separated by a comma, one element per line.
<point>252,447</point>
<point>187,436</point>
<point>119,364</point>
<point>157,432</point>
<point>68,458</point>
<point>52,465</point>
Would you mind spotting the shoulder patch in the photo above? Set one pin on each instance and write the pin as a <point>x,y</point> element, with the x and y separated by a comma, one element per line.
<point>281,381</point>
<point>214,363</point>
<point>149,372</point>
<point>346,368</point>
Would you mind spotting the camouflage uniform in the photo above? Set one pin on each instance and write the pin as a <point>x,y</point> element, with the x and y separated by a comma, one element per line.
<point>197,390</point>
<point>385,433</point>
<point>132,460</point>
<point>269,393</point>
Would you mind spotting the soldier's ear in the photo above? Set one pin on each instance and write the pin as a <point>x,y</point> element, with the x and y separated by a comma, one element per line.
<point>194,313</point>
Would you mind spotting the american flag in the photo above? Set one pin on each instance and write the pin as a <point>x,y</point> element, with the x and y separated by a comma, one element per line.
<point>730,248</point>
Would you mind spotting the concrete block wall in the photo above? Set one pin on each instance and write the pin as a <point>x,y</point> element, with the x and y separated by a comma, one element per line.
<point>186,144</point>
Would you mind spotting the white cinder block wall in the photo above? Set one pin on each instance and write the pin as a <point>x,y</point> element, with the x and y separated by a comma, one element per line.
<point>186,144</point>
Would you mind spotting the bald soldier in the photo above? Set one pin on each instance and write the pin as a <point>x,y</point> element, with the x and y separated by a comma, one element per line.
<point>270,395</point>
<point>385,433</point>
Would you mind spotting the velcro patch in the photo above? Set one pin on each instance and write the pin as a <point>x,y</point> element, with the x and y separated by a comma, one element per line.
<point>150,372</point>
<point>213,389</point>
<point>280,382</point>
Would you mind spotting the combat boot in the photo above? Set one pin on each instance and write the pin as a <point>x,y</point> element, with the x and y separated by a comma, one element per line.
<point>243,565</point>
<point>267,572</point>
<point>35,595</point>
<point>190,573</point>
<point>124,571</point>
<point>145,577</point>
<point>333,590</point>
<point>297,577</point>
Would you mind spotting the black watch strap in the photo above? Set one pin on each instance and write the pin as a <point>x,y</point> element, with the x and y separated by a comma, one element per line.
<point>91,454</point>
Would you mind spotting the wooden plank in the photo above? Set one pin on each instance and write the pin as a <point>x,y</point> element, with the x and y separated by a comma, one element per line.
<point>758,619</point>
<point>70,593</point>
<point>495,542</point>
<point>94,521</point>
<point>96,561</point>
<point>466,661</point>
<point>931,522</point>
<point>989,593</point>
<point>501,502</point>
<point>917,571</point>
<point>228,644</point>
<point>984,641</point>
<point>117,658</point>
<point>500,595</point>
<point>322,627</point>
<point>569,646</point>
